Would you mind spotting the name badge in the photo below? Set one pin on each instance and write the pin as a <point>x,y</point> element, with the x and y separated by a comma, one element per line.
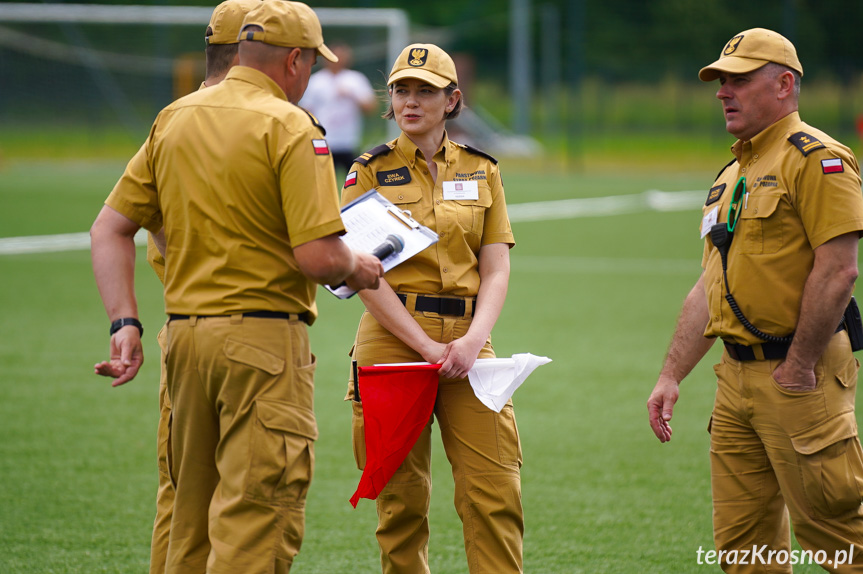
<point>460,190</point>
<point>709,221</point>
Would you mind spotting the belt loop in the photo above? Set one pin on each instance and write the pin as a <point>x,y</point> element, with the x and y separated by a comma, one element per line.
<point>237,319</point>
<point>193,320</point>
<point>758,351</point>
<point>469,303</point>
<point>411,302</point>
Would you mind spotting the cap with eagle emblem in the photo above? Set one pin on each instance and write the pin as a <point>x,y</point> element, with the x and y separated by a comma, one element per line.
<point>426,62</point>
<point>751,49</point>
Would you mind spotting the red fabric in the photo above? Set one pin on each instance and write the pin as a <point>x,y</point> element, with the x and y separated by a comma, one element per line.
<point>397,404</point>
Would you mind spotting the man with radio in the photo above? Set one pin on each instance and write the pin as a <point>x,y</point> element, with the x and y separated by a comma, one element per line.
<point>781,226</point>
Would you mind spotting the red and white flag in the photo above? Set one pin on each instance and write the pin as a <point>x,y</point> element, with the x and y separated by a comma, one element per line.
<point>398,401</point>
<point>321,147</point>
<point>832,165</point>
<point>351,179</point>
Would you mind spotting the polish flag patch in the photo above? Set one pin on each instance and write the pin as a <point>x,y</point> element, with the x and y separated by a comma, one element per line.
<point>351,179</point>
<point>832,165</point>
<point>321,147</point>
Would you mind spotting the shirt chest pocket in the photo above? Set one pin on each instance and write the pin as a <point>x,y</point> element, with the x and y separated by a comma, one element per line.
<point>760,227</point>
<point>471,212</point>
<point>406,197</point>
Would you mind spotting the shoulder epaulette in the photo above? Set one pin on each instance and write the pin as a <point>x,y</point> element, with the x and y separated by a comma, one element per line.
<point>479,152</point>
<point>315,121</point>
<point>721,171</point>
<point>365,158</point>
<point>805,143</point>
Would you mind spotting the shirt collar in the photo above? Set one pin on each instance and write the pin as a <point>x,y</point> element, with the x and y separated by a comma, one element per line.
<point>410,151</point>
<point>767,137</point>
<point>256,78</point>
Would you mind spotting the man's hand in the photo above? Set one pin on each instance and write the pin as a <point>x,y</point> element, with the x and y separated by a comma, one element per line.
<point>660,406</point>
<point>367,272</point>
<point>127,356</point>
<point>794,379</point>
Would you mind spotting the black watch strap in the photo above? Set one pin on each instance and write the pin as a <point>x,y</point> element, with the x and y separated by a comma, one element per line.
<point>120,323</point>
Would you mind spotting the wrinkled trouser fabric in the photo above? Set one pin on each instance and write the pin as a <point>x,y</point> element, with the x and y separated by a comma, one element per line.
<point>778,455</point>
<point>482,447</point>
<point>241,451</point>
<point>165,493</point>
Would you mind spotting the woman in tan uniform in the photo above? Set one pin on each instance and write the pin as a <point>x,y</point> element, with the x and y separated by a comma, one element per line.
<point>440,307</point>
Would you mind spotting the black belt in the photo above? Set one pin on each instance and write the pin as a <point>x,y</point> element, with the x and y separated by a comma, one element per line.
<point>439,305</point>
<point>304,317</point>
<point>769,350</point>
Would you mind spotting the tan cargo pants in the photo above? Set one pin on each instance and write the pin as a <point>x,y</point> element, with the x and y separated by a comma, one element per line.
<point>165,493</point>
<point>482,447</point>
<point>777,454</point>
<point>241,450</point>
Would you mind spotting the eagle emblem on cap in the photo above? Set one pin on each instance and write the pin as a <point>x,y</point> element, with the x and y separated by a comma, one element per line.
<point>418,57</point>
<point>732,45</point>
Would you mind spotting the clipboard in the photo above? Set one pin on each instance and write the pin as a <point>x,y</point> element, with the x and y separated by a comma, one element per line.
<point>368,220</point>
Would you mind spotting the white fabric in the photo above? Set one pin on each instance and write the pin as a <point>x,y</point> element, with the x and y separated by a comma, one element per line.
<point>335,100</point>
<point>495,380</point>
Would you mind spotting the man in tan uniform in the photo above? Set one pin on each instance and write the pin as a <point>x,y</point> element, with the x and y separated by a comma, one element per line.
<point>222,55</point>
<point>242,182</point>
<point>783,432</point>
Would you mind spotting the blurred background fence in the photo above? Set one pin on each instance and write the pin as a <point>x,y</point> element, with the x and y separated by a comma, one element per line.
<point>565,79</point>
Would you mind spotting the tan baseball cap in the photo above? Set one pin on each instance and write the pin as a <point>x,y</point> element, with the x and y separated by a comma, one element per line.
<point>751,49</point>
<point>286,24</point>
<point>224,26</point>
<point>426,62</point>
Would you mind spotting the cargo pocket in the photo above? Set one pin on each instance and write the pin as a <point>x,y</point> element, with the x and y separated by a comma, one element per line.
<point>253,357</point>
<point>831,466</point>
<point>358,436</point>
<point>282,453</point>
<point>508,443</point>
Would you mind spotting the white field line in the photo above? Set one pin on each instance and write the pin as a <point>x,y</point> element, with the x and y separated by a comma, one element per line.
<point>54,243</point>
<point>650,200</point>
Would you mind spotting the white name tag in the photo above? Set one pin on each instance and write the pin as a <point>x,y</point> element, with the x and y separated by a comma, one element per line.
<point>460,190</point>
<point>709,221</point>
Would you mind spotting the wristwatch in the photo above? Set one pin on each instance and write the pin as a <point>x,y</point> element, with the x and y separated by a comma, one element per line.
<point>120,323</point>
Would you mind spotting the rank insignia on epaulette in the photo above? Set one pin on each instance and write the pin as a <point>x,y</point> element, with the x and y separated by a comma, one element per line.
<point>479,152</point>
<point>805,143</point>
<point>365,158</point>
<point>715,193</point>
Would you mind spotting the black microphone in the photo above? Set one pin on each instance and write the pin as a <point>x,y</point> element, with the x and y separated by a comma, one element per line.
<point>392,244</point>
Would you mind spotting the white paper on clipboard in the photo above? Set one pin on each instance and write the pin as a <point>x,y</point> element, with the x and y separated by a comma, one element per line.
<point>368,220</point>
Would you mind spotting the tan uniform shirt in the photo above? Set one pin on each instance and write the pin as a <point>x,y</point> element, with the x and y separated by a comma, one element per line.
<point>238,176</point>
<point>802,189</point>
<point>400,173</point>
<point>154,258</point>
